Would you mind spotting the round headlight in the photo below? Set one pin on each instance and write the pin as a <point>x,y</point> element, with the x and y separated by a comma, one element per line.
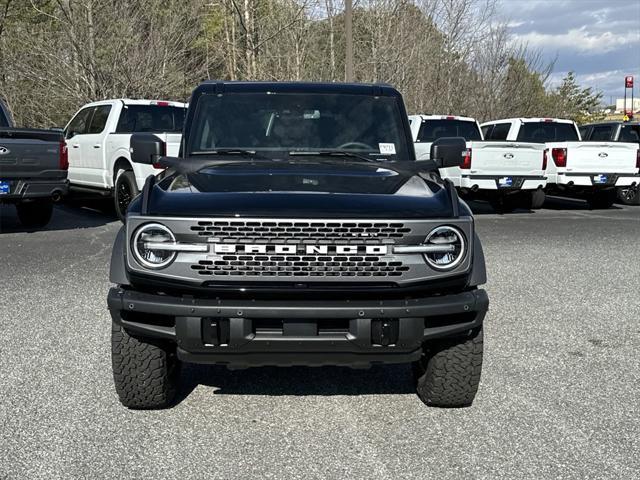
<point>452,248</point>
<point>145,248</point>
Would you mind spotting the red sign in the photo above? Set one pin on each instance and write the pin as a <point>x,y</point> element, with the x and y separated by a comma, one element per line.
<point>628,81</point>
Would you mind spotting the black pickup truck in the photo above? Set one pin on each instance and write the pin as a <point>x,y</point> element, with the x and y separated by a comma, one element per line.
<point>297,228</point>
<point>33,170</point>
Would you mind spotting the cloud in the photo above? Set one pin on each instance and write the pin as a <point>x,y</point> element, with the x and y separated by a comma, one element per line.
<point>599,40</point>
<point>580,40</point>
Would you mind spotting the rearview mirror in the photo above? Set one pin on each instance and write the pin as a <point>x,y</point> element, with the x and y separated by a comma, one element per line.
<point>146,148</point>
<point>448,151</point>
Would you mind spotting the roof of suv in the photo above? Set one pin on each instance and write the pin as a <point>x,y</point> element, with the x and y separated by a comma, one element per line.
<point>212,86</point>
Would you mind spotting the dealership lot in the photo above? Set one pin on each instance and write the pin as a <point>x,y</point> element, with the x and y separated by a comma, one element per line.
<point>558,399</point>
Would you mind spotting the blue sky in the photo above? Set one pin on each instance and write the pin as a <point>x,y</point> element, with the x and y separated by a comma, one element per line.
<point>597,39</point>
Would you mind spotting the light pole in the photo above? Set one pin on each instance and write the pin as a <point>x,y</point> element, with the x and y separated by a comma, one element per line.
<point>348,27</point>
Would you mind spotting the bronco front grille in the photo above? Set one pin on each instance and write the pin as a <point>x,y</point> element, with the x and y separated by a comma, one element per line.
<point>295,232</point>
<point>300,266</point>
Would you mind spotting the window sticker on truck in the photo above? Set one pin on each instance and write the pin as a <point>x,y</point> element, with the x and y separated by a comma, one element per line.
<point>387,148</point>
<point>5,188</point>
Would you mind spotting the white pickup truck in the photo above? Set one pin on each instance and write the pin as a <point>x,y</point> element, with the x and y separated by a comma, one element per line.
<point>507,174</point>
<point>98,142</point>
<point>589,170</point>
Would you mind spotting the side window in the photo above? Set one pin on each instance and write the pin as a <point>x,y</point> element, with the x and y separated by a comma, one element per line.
<point>80,123</point>
<point>630,133</point>
<point>99,120</point>
<point>486,131</point>
<point>500,131</point>
<point>600,133</point>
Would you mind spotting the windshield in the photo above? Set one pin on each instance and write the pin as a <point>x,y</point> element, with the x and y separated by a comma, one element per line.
<point>285,122</point>
<point>543,132</point>
<point>430,130</point>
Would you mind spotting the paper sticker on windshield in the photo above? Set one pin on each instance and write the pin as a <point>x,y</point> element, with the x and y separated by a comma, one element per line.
<point>387,148</point>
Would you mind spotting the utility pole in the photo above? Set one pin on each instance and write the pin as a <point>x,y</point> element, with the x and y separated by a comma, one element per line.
<point>348,28</point>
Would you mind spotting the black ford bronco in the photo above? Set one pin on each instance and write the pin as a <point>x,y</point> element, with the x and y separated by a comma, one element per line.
<point>297,228</point>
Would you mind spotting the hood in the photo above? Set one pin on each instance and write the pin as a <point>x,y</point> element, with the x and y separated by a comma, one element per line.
<point>307,189</point>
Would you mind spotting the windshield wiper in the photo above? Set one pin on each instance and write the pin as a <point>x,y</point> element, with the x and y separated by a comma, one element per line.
<point>331,153</point>
<point>226,151</point>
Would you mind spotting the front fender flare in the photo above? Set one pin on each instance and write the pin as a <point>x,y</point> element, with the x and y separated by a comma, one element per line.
<point>479,270</point>
<point>118,268</point>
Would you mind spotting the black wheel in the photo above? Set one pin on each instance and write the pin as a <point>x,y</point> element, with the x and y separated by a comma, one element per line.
<point>146,371</point>
<point>535,199</point>
<point>125,190</point>
<point>629,195</point>
<point>35,213</point>
<point>448,374</point>
<point>504,203</point>
<point>602,200</point>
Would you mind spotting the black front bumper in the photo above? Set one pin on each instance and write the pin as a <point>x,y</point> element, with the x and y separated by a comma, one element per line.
<point>243,333</point>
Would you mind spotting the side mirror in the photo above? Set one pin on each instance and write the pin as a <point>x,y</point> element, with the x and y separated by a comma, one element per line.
<point>146,148</point>
<point>448,151</point>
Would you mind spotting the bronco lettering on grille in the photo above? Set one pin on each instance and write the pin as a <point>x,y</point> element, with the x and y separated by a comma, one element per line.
<point>307,249</point>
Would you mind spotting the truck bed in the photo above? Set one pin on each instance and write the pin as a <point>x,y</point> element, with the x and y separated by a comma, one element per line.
<point>599,157</point>
<point>30,153</point>
<point>30,164</point>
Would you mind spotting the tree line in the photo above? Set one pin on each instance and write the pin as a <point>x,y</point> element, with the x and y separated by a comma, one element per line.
<point>445,56</point>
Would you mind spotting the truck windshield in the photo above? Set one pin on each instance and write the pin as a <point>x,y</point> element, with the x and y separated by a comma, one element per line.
<point>430,130</point>
<point>543,132</point>
<point>292,122</point>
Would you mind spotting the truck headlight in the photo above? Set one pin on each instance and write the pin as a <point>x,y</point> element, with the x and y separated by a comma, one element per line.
<point>146,249</point>
<point>449,248</point>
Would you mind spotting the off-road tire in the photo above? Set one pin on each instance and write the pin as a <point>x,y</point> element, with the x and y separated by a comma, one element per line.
<point>146,371</point>
<point>602,200</point>
<point>124,190</point>
<point>535,199</point>
<point>448,374</point>
<point>36,213</point>
<point>629,195</point>
<point>504,203</point>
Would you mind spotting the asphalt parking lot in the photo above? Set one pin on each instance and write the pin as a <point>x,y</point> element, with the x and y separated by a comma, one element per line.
<point>559,396</point>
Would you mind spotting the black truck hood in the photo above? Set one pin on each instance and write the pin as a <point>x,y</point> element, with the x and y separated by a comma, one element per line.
<point>300,189</point>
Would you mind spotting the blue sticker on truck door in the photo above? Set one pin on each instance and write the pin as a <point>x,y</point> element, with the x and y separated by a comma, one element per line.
<point>5,188</point>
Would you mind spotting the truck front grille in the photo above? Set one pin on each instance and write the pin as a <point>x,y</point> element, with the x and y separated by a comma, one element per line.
<point>298,232</point>
<point>300,266</point>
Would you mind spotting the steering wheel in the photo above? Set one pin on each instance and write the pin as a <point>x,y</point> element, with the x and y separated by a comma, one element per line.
<point>355,144</point>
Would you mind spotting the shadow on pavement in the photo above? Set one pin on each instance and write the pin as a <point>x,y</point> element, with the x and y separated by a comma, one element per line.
<point>69,215</point>
<point>479,207</point>
<point>275,381</point>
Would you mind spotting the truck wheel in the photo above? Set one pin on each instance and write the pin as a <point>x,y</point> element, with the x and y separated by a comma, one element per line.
<point>146,371</point>
<point>535,199</point>
<point>125,190</point>
<point>504,203</point>
<point>602,200</point>
<point>629,195</point>
<point>36,213</point>
<point>448,374</point>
